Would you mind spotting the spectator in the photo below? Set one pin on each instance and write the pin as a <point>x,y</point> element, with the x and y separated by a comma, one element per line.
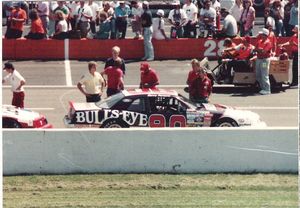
<point>93,83</point>
<point>287,12</point>
<point>43,12</point>
<point>277,13</point>
<point>201,87</point>
<point>293,42</point>
<point>159,26</point>
<point>217,6</point>
<point>61,31</point>
<point>16,21</point>
<point>247,18</point>
<point>110,17</point>
<point>84,16</point>
<point>273,39</point>
<point>17,82</point>
<point>136,13</point>
<point>207,22</point>
<point>115,56</point>
<point>104,27</point>
<point>269,21</point>
<point>294,15</point>
<point>95,15</point>
<point>262,63</point>
<point>147,32</point>
<point>61,6</point>
<point>236,11</point>
<point>227,4</point>
<point>190,27</point>
<point>114,75</point>
<point>121,12</point>
<point>229,28</point>
<point>73,8</point>
<point>52,18</point>
<point>36,31</point>
<point>149,77</point>
<point>177,18</point>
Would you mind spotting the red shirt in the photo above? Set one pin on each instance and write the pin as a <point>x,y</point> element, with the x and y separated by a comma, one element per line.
<point>272,38</point>
<point>294,40</point>
<point>150,77</point>
<point>114,76</point>
<point>201,88</point>
<point>191,77</point>
<point>20,14</point>
<point>266,48</point>
<point>37,26</point>
<point>244,52</point>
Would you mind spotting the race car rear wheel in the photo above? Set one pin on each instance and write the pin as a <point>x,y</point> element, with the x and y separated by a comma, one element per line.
<point>226,122</point>
<point>114,124</point>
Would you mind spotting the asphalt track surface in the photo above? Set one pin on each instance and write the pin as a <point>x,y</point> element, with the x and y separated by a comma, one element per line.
<point>49,88</point>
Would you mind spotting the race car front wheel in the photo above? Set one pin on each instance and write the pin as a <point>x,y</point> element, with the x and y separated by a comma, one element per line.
<point>114,124</point>
<point>226,122</point>
<point>10,123</point>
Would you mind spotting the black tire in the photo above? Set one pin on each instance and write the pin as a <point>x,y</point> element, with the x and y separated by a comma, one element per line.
<point>226,122</point>
<point>114,124</point>
<point>10,123</point>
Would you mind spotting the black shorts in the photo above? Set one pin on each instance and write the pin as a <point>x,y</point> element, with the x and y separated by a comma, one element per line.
<point>93,98</point>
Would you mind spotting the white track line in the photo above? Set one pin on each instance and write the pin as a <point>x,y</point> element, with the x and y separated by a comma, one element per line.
<point>266,108</point>
<point>67,64</point>
<point>37,109</point>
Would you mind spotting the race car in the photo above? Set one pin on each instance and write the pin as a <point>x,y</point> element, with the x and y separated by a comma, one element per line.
<point>13,117</point>
<point>156,108</point>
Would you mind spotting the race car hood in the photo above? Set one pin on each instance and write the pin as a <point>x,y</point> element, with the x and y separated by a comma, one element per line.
<point>83,106</point>
<point>19,114</point>
<point>245,117</point>
<point>216,108</point>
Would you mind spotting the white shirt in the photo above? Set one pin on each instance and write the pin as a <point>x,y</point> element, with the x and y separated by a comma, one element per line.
<point>236,12</point>
<point>190,11</point>
<point>15,79</point>
<point>230,25</point>
<point>43,7</point>
<point>64,25</point>
<point>95,8</point>
<point>211,13</point>
<point>157,34</point>
<point>73,8</point>
<point>137,11</point>
<point>85,10</point>
<point>92,83</point>
<point>177,15</point>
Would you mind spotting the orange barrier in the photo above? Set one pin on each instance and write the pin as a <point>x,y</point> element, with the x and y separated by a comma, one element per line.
<point>22,49</point>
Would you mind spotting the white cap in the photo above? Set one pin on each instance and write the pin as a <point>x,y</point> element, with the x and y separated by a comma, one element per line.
<point>176,2</point>
<point>160,12</point>
<point>264,31</point>
<point>121,2</point>
<point>146,3</point>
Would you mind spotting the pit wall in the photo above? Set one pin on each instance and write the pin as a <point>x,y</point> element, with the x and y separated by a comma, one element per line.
<point>22,49</point>
<point>188,150</point>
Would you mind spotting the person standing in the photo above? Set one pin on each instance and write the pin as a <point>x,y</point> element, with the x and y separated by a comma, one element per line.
<point>190,27</point>
<point>17,82</point>
<point>149,77</point>
<point>93,83</point>
<point>201,87</point>
<point>16,21</point>
<point>122,12</point>
<point>236,11</point>
<point>262,63</point>
<point>159,26</point>
<point>192,73</point>
<point>147,32</point>
<point>136,13</point>
<point>294,43</point>
<point>115,55</point>
<point>177,18</point>
<point>95,17</point>
<point>37,31</point>
<point>84,16</point>
<point>114,75</point>
<point>247,18</point>
<point>43,12</point>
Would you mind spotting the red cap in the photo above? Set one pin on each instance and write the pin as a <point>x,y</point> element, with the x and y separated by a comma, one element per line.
<point>144,66</point>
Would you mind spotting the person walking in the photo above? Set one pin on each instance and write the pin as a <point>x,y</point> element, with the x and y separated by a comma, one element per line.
<point>262,63</point>
<point>17,82</point>
<point>149,77</point>
<point>147,32</point>
<point>93,83</point>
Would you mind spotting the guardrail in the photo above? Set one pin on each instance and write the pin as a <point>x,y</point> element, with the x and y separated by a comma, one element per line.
<point>22,49</point>
<point>167,150</point>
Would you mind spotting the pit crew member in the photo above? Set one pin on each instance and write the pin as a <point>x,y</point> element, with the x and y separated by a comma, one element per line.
<point>149,77</point>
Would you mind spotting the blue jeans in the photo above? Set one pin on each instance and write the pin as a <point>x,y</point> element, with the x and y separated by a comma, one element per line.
<point>262,73</point>
<point>148,47</point>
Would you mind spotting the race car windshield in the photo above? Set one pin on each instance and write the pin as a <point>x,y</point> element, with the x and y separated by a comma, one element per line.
<point>188,102</point>
<point>110,101</point>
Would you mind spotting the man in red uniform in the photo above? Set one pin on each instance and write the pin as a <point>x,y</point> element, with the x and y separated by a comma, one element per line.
<point>200,88</point>
<point>293,42</point>
<point>17,18</point>
<point>149,78</point>
<point>114,78</point>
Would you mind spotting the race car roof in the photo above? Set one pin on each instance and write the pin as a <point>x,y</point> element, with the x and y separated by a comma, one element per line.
<point>149,92</point>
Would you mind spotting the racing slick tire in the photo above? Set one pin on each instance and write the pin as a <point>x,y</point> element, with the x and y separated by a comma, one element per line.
<point>226,122</point>
<point>114,124</point>
<point>10,123</point>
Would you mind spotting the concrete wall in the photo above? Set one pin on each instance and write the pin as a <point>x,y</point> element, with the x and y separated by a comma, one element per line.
<point>186,150</point>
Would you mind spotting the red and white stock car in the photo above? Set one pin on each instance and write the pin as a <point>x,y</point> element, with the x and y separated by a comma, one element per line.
<point>156,108</point>
<point>13,117</point>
